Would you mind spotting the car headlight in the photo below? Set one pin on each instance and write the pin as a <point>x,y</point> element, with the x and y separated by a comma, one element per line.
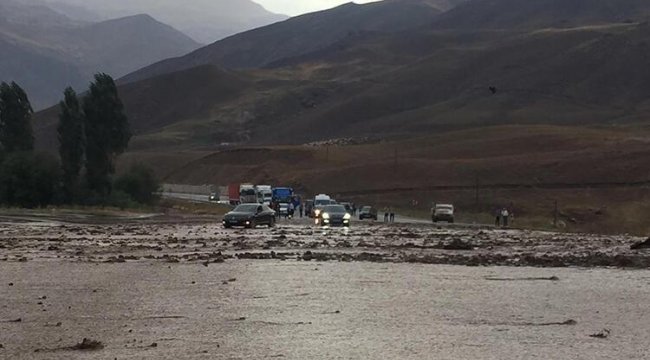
<point>326,216</point>
<point>347,217</point>
<point>317,212</point>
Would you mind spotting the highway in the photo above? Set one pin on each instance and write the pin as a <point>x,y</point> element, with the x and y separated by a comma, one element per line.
<point>399,219</point>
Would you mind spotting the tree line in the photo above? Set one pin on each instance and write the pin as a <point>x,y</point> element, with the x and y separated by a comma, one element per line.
<point>93,131</point>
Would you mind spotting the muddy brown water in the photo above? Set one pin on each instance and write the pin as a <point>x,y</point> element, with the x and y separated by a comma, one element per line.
<point>274,309</point>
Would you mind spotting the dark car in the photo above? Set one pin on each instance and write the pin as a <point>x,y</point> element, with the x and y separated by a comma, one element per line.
<point>368,212</point>
<point>334,215</point>
<point>250,216</point>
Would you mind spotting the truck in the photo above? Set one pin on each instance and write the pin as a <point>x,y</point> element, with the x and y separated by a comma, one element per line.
<point>282,195</point>
<point>233,194</point>
<point>247,194</point>
<point>264,194</point>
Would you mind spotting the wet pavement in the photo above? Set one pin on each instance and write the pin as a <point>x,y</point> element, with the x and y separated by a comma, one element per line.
<point>299,310</point>
<point>159,289</point>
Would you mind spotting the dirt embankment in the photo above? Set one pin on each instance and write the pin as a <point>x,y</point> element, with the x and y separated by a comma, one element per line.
<point>207,243</point>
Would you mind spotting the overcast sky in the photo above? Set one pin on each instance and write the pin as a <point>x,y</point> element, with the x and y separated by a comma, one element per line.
<point>297,7</point>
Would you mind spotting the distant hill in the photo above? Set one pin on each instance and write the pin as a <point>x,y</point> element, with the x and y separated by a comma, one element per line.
<point>303,34</point>
<point>205,21</point>
<point>527,14</point>
<point>121,45</point>
<point>382,84</point>
<point>45,51</point>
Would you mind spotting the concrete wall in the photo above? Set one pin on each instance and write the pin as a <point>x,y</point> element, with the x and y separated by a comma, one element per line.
<point>191,189</point>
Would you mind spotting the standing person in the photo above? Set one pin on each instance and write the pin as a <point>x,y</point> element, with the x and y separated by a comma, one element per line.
<point>392,215</point>
<point>386,210</point>
<point>497,221</point>
<point>290,210</point>
<point>504,215</point>
<point>300,210</point>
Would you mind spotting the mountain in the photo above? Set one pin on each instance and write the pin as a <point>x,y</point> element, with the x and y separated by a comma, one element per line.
<point>526,14</point>
<point>118,46</point>
<point>205,21</point>
<point>377,83</point>
<point>45,51</point>
<point>303,34</point>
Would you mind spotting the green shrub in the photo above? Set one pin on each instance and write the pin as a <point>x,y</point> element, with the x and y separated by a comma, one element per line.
<point>140,183</point>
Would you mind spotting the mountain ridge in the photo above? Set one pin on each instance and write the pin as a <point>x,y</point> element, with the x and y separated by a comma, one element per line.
<point>36,41</point>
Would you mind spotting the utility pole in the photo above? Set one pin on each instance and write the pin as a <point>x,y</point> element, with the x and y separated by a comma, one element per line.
<point>477,187</point>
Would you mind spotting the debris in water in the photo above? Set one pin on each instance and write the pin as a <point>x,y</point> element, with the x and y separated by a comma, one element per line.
<point>88,344</point>
<point>642,245</point>
<point>458,244</point>
<point>601,335</point>
<point>552,278</point>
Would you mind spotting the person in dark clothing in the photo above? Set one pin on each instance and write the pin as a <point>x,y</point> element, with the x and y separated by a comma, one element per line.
<point>497,221</point>
<point>504,215</point>
<point>386,213</point>
<point>392,216</point>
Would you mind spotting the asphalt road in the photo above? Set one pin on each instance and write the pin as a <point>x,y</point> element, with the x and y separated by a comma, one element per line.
<point>399,219</point>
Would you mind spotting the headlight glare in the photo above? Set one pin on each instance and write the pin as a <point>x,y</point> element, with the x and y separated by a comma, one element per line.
<point>326,216</point>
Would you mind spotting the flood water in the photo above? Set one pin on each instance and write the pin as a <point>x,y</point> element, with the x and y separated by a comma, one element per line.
<point>306,310</point>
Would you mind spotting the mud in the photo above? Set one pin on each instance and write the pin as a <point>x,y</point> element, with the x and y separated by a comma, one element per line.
<point>163,289</point>
<point>208,243</point>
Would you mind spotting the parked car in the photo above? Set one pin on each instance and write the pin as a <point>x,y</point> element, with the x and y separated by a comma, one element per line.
<point>250,216</point>
<point>348,206</point>
<point>214,197</point>
<point>442,212</point>
<point>334,215</point>
<point>368,212</point>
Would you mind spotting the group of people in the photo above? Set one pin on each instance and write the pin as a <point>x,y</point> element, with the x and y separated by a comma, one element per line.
<point>389,215</point>
<point>504,217</point>
<point>291,210</point>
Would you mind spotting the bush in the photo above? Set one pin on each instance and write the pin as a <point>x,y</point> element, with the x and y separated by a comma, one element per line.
<point>29,180</point>
<point>140,183</point>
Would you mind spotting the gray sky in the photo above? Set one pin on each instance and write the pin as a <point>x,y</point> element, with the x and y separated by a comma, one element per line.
<point>296,7</point>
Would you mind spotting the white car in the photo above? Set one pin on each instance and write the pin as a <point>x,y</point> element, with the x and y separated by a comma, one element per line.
<point>442,212</point>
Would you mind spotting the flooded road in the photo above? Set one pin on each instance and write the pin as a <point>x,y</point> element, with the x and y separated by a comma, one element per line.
<point>188,289</point>
<point>299,310</point>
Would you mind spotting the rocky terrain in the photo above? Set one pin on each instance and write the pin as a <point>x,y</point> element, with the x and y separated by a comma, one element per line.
<point>205,242</point>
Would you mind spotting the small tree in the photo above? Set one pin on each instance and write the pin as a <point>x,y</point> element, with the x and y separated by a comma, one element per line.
<point>71,142</point>
<point>107,132</point>
<point>29,180</point>
<point>15,119</point>
<point>140,183</point>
